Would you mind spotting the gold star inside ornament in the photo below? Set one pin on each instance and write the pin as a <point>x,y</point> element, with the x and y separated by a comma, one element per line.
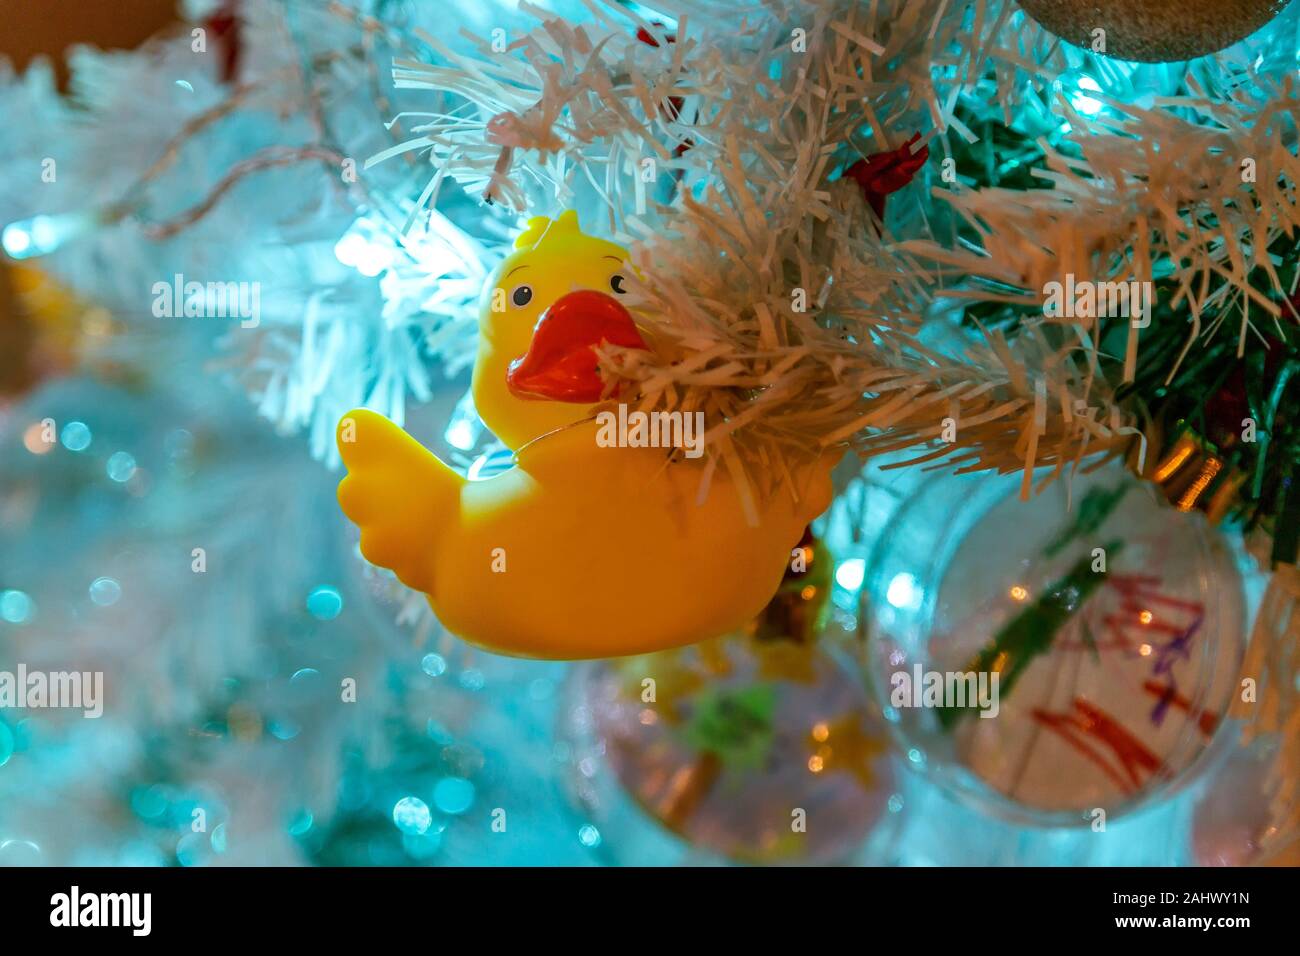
<point>842,744</point>
<point>1153,31</point>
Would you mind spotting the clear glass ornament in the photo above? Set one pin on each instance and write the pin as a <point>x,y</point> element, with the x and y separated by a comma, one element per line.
<point>757,747</point>
<point>1105,640</point>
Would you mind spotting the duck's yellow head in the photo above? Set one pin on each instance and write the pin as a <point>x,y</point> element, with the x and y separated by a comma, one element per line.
<point>553,299</point>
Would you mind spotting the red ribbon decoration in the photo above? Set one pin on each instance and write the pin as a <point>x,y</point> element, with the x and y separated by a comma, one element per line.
<point>883,173</point>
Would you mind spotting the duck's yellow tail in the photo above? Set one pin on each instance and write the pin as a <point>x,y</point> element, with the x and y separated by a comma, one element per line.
<point>398,493</point>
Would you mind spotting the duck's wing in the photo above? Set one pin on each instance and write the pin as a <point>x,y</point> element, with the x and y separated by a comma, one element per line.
<point>398,493</point>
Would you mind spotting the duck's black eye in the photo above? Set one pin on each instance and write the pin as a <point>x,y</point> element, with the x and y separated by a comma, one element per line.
<point>616,283</point>
<point>522,295</point>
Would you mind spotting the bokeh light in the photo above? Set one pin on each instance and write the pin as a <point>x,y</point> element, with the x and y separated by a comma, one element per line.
<point>105,591</point>
<point>411,814</point>
<point>121,466</point>
<point>75,436</point>
<point>324,603</point>
<point>15,607</point>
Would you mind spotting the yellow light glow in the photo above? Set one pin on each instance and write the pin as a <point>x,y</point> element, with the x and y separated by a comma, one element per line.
<point>816,764</point>
<point>1145,650</point>
<point>1208,472</point>
<point>1018,593</point>
<point>97,322</point>
<point>1145,617</point>
<point>1175,461</point>
<point>820,732</point>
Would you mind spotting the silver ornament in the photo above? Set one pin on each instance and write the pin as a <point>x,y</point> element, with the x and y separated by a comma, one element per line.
<point>1154,31</point>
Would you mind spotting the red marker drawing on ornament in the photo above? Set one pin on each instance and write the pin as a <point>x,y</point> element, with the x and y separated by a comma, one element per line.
<point>1090,721</point>
<point>1167,694</point>
<point>1138,627</point>
<point>1141,598</point>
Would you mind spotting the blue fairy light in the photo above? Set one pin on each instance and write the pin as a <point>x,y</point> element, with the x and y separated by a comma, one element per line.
<point>460,434</point>
<point>895,802</point>
<point>15,606</point>
<point>453,795</point>
<point>904,592</point>
<point>1082,101</point>
<point>28,238</point>
<point>75,436</point>
<point>589,836</point>
<point>17,241</point>
<point>324,603</point>
<point>121,466</point>
<point>105,591</point>
<point>411,814</point>
<point>850,573</point>
<point>434,665</point>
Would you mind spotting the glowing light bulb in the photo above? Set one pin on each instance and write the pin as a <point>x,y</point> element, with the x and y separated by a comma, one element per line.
<point>460,435</point>
<point>904,592</point>
<point>850,574</point>
<point>15,606</point>
<point>1081,101</point>
<point>39,235</point>
<point>17,241</point>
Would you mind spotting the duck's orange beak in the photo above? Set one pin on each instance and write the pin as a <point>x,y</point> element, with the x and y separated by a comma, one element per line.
<point>560,365</point>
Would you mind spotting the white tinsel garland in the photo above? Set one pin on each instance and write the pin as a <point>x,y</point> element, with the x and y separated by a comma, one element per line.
<point>785,312</point>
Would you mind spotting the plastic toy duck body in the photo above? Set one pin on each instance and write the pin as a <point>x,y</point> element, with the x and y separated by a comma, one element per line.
<point>580,550</point>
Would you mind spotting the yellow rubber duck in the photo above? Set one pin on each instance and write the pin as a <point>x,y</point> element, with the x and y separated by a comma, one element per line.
<point>580,550</point>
